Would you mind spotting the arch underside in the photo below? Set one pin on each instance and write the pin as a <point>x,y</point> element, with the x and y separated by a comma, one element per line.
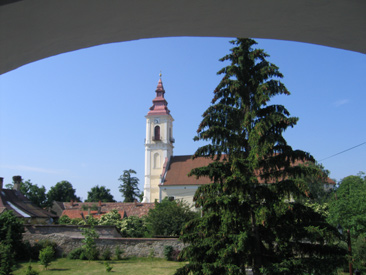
<point>33,30</point>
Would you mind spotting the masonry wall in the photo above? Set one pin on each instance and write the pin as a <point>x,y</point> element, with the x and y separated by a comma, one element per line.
<point>139,247</point>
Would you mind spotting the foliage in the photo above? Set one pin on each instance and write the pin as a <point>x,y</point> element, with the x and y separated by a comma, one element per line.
<point>168,251</point>
<point>63,192</point>
<point>90,247</point>
<point>313,182</point>
<point>85,207</point>
<point>7,254</point>
<point>129,187</point>
<point>107,254</point>
<point>42,244</point>
<point>46,256</point>
<point>30,270</point>
<point>10,223</point>
<point>251,212</point>
<point>100,194</point>
<point>168,217</point>
<point>64,220</point>
<point>118,252</point>
<point>35,194</point>
<point>75,253</point>
<point>110,218</point>
<point>108,267</point>
<point>359,252</point>
<point>347,206</point>
<point>133,227</point>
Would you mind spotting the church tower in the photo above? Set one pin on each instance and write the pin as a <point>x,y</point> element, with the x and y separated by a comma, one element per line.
<point>158,143</point>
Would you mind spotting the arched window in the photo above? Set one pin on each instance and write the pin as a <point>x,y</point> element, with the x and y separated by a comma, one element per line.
<point>156,160</point>
<point>157,133</point>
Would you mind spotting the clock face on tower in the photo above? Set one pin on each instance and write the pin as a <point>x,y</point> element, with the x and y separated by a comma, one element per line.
<point>156,120</point>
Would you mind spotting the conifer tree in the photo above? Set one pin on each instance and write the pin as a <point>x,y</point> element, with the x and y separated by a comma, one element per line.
<point>129,187</point>
<point>250,216</point>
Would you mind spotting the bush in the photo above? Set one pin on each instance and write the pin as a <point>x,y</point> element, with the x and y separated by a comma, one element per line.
<point>107,254</point>
<point>75,254</point>
<point>30,271</point>
<point>118,252</point>
<point>132,227</point>
<point>64,220</point>
<point>46,256</point>
<point>7,259</point>
<point>168,217</point>
<point>108,267</point>
<point>90,247</point>
<point>168,251</point>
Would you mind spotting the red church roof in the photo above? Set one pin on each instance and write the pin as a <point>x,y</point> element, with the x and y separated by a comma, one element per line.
<point>180,166</point>
<point>160,105</point>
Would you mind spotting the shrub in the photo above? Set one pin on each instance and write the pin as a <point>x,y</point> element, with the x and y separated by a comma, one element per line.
<point>83,256</point>
<point>30,270</point>
<point>46,256</point>
<point>7,259</point>
<point>108,267</point>
<point>64,220</point>
<point>107,254</point>
<point>168,251</point>
<point>75,254</point>
<point>90,247</point>
<point>168,217</point>
<point>118,252</point>
<point>132,227</point>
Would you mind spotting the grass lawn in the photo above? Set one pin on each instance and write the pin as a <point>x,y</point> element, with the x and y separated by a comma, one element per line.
<point>132,266</point>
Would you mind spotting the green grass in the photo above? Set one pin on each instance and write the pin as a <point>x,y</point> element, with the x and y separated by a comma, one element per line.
<point>132,266</point>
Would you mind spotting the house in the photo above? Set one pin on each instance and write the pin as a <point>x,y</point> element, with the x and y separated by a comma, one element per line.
<point>166,175</point>
<point>14,200</point>
<point>97,209</point>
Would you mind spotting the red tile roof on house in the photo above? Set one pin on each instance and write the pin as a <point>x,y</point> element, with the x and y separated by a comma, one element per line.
<point>180,166</point>
<point>74,209</point>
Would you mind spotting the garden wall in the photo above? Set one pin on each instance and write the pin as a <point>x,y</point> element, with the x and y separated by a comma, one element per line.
<point>139,247</point>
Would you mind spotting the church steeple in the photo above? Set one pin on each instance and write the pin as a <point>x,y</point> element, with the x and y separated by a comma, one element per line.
<point>160,105</point>
<point>158,143</point>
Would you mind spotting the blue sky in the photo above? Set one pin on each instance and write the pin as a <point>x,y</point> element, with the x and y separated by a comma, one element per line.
<point>80,116</point>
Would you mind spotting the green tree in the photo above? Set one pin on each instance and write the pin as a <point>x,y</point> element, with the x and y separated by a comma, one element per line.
<point>100,194</point>
<point>90,247</point>
<point>129,187</point>
<point>10,223</point>
<point>7,255</point>
<point>63,192</point>
<point>46,256</point>
<point>33,192</point>
<point>347,206</point>
<point>169,217</point>
<point>250,215</point>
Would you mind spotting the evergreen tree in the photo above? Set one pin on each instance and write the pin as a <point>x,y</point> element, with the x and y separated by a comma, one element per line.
<point>250,215</point>
<point>129,187</point>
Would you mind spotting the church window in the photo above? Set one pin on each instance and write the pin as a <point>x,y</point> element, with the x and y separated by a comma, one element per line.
<point>156,160</point>
<point>157,133</point>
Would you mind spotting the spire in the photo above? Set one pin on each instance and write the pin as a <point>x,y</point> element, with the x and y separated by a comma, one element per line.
<point>160,105</point>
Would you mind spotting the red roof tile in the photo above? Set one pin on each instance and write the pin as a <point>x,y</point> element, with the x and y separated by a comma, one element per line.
<point>181,166</point>
<point>74,210</point>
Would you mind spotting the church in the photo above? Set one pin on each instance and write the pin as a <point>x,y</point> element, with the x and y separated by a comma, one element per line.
<point>166,175</point>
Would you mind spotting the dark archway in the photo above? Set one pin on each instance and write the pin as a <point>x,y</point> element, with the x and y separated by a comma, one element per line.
<point>33,30</point>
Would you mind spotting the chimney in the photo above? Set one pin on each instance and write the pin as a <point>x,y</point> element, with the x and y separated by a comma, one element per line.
<point>17,180</point>
<point>99,207</point>
<point>1,183</point>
